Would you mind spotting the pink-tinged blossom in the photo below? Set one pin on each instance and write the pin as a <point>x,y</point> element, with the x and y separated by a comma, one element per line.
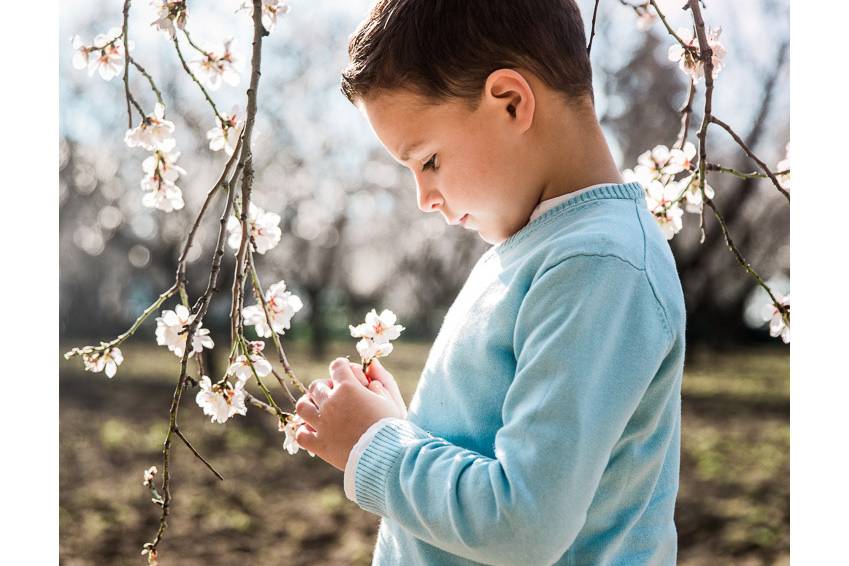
<point>153,133</point>
<point>778,325</point>
<point>379,328</point>
<point>171,331</point>
<point>105,56</point>
<point>653,163</point>
<point>687,58</point>
<point>169,13</point>
<point>680,159</point>
<point>81,53</point>
<point>282,306</point>
<point>369,350</point>
<point>215,67</point>
<point>221,401</point>
<point>152,559</point>
<point>264,227</point>
<point>241,369</point>
<point>376,333</point>
<point>661,202</point>
<point>161,172</point>
<point>784,165</point>
<point>225,134</point>
<point>106,362</point>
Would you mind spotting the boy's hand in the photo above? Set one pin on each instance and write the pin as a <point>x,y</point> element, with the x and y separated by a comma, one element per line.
<point>337,411</point>
<point>376,372</point>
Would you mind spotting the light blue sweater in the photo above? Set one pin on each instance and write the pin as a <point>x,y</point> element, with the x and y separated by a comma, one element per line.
<point>545,427</point>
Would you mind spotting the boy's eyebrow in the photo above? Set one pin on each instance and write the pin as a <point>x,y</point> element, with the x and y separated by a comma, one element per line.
<point>406,149</point>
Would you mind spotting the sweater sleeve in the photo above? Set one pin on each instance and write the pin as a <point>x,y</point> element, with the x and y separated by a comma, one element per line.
<point>590,335</point>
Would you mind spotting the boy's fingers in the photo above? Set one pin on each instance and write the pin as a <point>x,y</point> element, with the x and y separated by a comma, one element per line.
<point>319,391</point>
<point>340,371</point>
<point>358,373</point>
<point>307,411</point>
<point>306,439</point>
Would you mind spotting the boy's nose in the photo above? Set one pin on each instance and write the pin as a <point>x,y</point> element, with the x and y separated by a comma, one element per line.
<point>429,200</point>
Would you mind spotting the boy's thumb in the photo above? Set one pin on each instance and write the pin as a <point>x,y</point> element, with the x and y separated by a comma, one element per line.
<point>377,387</point>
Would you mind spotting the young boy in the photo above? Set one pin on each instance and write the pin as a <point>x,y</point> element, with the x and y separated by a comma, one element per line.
<point>545,426</point>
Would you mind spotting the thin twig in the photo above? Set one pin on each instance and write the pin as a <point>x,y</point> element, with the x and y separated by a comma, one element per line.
<point>222,179</point>
<point>195,79</point>
<point>129,332</point>
<point>592,29</point>
<point>127,94</point>
<point>149,78</point>
<point>686,112</point>
<point>247,173</point>
<point>660,15</point>
<point>706,55</point>
<point>258,292</point>
<point>201,458</point>
<point>751,155</point>
<point>741,174</point>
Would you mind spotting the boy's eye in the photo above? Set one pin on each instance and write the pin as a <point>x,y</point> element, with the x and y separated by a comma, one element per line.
<point>431,163</point>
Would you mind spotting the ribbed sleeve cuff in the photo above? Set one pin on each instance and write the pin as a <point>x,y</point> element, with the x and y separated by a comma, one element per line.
<point>354,457</point>
<point>380,459</point>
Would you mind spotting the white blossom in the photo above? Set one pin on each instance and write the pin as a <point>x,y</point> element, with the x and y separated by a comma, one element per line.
<point>241,369</point>
<point>693,193</point>
<point>225,134</point>
<point>661,202</point>
<point>161,172</point>
<point>686,58</point>
<point>290,428</point>
<point>264,226</point>
<point>778,326</point>
<point>220,402</point>
<point>169,13</point>
<point>106,362</point>
<point>680,159</point>
<point>282,306</point>
<point>104,56</point>
<point>369,350</point>
<point>149,474</point>
<point>376,333</point>
<point>154,132</point>
<point>379,328</point>
<point>215,67</point>
<point>170,331</point>
<point>784,165</point>
<point>81,53</point>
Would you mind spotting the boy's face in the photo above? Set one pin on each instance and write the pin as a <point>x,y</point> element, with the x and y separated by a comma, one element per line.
<point>468,165</point>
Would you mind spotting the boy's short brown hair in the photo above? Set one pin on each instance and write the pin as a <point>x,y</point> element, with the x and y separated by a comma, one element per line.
<point>445,49</point>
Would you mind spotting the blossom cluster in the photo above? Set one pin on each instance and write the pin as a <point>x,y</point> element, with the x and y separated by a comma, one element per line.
<point>656,171</point>
<point>105,55</point>
<point>215,67</point>
<point>106,361</point>
<point>171,331</point>
<point>282,306</point>
<point>376,333</point>
<point>264,229</point>
<point>169,13</point>
<point>687,57</point>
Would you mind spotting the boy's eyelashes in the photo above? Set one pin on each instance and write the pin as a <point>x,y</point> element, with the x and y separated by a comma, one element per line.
<point>430,164</point>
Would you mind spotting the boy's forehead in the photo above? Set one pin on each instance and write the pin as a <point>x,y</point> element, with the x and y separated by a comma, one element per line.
<point>401,120</point>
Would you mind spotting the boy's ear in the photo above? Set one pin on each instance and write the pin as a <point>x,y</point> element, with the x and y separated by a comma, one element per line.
<point>511,96</point>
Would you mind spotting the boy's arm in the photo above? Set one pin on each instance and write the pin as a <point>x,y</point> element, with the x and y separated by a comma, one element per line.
<point>589,337</point>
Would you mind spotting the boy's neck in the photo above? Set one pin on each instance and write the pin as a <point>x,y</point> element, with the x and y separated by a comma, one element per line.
<point>575,152</point>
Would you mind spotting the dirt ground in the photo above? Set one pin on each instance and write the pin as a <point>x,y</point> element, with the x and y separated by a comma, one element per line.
<point>273,508</point>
